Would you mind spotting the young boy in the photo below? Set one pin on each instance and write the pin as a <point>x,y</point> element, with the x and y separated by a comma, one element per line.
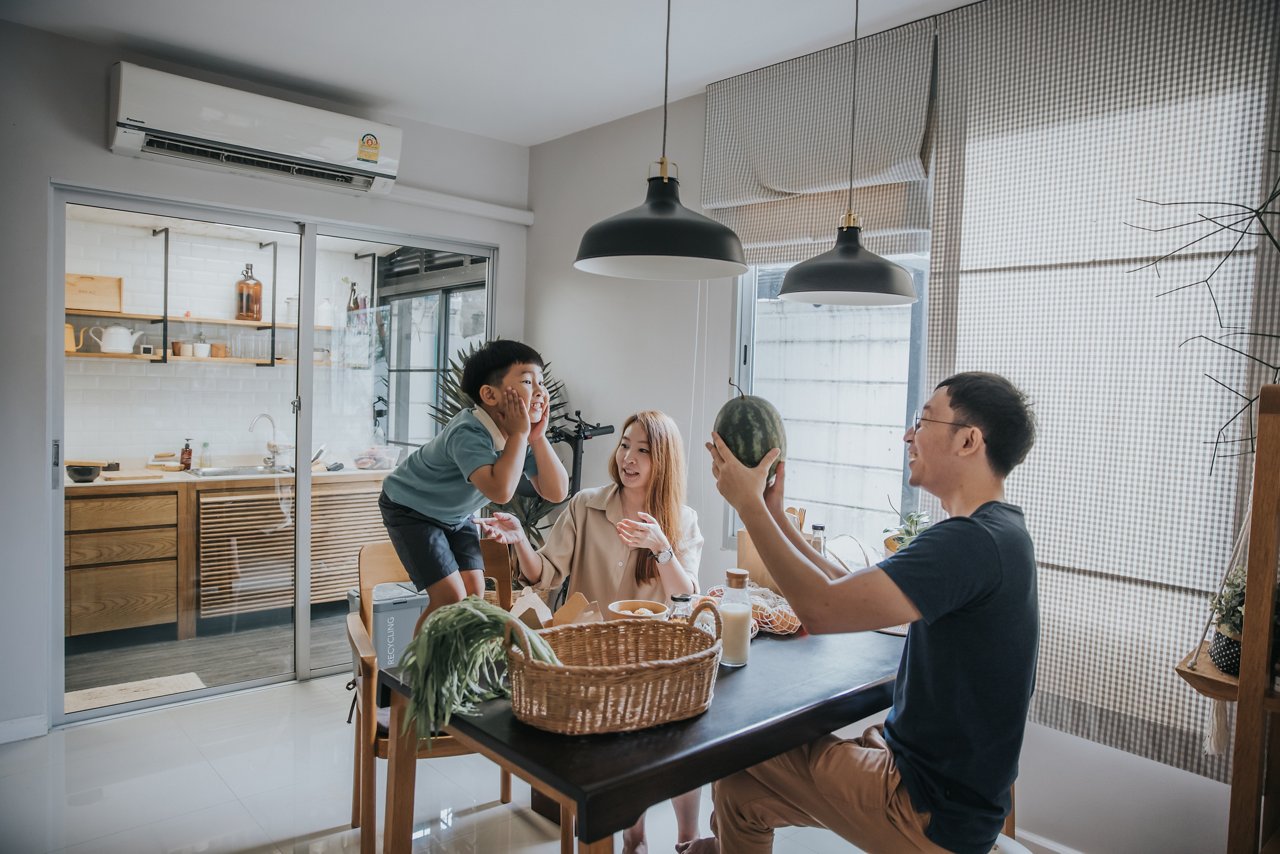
<point>479,456</point>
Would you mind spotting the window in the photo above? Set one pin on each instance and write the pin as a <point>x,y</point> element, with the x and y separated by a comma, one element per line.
<point>846,379</point>
<point>438,309</point>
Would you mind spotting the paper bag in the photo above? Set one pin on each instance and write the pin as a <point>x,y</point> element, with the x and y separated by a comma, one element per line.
<point>570,610</point>
<point>530,609</point>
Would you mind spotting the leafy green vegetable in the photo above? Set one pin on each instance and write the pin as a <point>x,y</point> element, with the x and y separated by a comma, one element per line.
<point>452,663</point>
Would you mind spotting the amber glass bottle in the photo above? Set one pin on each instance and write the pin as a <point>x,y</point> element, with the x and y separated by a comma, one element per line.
<point>248,296</point>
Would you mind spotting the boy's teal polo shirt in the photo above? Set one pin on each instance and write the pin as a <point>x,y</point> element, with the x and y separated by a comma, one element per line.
<point>434,480</point>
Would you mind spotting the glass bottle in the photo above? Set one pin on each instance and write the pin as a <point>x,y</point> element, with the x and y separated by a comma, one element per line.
<point>735,617</point>
<point>681,607</point>
<point>820,539</point>
<point>248,296</point>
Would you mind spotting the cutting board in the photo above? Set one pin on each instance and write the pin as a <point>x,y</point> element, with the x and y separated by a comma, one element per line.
<point>94,293</point>
<point>132,475</point>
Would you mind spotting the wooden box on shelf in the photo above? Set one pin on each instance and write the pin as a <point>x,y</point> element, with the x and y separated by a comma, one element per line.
<point>94,293</point>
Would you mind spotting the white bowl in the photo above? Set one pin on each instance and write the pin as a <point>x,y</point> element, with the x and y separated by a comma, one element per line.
<point>624,609</point>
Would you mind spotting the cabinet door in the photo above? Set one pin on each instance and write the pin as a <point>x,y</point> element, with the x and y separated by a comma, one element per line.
<point>125,511</point>
<point>246,552</point>
<point>119,546</point>
<point>103,598</point>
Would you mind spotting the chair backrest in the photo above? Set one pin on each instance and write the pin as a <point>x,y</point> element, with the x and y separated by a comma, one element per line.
<point>497,565</point>
<point>378,564</point>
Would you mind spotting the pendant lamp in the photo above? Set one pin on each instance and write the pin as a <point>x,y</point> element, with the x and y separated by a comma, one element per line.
<point>849,274</point>
<point>661,239</point>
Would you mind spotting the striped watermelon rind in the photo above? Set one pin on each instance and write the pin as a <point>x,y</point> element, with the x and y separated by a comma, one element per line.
<point>750,427</point>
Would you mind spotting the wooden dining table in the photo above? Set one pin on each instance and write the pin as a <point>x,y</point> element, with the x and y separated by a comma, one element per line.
<point>792,690</point>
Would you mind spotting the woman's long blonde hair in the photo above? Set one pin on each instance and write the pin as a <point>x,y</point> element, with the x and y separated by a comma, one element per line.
<point>666,481</point>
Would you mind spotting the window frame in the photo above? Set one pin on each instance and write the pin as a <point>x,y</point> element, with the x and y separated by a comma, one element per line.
<point>745,298</point>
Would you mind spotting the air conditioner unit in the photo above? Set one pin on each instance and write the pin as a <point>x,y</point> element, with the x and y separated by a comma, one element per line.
<point>154,114</point>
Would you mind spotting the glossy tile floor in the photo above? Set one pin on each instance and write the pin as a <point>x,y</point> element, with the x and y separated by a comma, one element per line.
<point>267,770</point>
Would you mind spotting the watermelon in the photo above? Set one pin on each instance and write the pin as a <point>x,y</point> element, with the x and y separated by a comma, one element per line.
<point>750,426</point>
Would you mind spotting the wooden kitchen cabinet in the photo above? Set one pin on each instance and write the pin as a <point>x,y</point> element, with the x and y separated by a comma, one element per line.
<point>121,558</point>
<point>246,543</point>
<point>145,554</point>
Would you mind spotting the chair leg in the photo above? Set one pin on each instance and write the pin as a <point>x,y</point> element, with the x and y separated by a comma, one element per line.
<point>566,830</point>
<point>355,776</point>
<point>368,791</point>
<point>1009,826</point>
<point>504,786</point>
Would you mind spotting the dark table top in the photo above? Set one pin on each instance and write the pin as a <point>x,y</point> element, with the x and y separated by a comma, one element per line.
<point>793,690</point>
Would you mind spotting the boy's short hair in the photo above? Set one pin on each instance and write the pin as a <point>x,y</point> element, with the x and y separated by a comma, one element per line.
<point>997,408</point>
<point>491,362</point>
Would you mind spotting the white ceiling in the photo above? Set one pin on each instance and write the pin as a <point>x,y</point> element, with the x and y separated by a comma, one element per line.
<point>524,71</point>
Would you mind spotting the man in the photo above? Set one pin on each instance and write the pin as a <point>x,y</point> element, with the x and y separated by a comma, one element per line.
<point>938,774</point>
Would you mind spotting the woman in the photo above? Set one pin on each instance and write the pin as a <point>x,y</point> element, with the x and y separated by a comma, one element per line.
<point>631,539</point>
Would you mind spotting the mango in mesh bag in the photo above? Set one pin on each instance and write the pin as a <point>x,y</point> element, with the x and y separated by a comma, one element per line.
<point>769,611</point>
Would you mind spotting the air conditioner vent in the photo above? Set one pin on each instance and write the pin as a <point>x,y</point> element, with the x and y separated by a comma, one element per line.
<point>186,150</point>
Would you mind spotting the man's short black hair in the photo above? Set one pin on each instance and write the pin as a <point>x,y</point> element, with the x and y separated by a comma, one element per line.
<point>490,363</point>
<point>997,408</point>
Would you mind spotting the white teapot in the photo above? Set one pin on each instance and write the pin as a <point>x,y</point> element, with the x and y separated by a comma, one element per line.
<point>115,339</point>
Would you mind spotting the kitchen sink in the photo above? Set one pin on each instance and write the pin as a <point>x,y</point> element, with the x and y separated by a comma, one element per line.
<point>235,471</point>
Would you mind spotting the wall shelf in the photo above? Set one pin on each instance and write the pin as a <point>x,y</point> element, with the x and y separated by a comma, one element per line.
<point>156,318</point>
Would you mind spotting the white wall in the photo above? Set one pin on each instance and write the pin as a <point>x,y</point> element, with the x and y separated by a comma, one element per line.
<point>53,104</point>
<point>622,345</point>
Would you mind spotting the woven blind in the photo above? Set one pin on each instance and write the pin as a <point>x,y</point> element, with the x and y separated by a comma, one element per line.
<point>1054,120</point>
<point>777,148</point>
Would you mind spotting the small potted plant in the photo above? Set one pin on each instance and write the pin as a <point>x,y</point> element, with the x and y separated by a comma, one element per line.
<point>912,524</point>
<point>1228,615</point>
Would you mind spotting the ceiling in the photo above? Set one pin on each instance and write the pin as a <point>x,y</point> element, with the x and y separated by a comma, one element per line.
<point>523,71</point>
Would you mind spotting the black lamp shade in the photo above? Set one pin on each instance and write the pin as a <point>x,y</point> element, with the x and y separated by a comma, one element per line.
<point>661,240</point>
<point>848,274</point>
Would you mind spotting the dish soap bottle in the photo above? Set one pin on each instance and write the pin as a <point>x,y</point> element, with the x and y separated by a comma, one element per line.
<point>185,456</point>
<point>248,296</point>
<point>735,615</point>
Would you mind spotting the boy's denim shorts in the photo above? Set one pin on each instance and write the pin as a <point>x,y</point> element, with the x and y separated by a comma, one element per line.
<point>429,550</point>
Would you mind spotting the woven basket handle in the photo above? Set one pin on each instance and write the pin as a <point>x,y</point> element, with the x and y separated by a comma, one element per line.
<point>707,605</point>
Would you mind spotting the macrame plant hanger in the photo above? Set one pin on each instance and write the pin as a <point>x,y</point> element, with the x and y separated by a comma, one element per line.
<point>1216,734</point>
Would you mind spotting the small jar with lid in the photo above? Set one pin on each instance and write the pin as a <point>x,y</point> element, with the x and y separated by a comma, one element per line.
<point>681,607</point>
<point>819,539</point>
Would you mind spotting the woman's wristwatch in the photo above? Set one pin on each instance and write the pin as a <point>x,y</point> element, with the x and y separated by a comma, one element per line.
<point>662,556</point>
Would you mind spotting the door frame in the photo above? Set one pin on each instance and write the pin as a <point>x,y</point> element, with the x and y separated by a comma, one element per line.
<point>308,229</point>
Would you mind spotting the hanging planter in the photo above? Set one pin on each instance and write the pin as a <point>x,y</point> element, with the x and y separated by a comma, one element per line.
<point>1224,652</point>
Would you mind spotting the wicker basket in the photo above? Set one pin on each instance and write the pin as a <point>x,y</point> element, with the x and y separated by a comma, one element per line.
<point>616,676</point>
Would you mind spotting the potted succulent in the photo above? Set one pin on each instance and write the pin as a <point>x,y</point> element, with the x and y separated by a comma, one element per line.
<point>912,524</point>
<point>1228,615</point>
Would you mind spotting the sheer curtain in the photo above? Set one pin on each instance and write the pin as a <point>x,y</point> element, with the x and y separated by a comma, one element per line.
<point>1054,120</point>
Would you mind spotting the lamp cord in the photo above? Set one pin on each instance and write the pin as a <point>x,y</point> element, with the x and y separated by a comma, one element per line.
<point>853,108</point>
<point>666,77</point>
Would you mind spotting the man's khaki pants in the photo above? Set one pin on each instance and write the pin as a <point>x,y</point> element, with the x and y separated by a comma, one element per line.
<point>850,787</point>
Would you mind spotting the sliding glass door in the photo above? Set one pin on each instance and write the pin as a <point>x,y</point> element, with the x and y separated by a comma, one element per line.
<point>232,397</point>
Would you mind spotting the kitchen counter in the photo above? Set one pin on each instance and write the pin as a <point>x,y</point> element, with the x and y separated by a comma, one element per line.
<point>179,548</point>
<point>180,477</point>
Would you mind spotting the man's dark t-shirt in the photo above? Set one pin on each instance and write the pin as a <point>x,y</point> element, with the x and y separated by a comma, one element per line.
<point>967,672</point>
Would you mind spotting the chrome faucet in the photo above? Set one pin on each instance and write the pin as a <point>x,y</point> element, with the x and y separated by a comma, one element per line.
<point>272,447</point>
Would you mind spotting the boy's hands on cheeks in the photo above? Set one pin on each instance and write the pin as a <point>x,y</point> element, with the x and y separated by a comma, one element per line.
<point>538,429</point>
<point>738,484</point>
<point>512,415</point>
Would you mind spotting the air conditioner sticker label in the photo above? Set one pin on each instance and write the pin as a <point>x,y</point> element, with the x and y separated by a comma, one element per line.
<point>368,149</point>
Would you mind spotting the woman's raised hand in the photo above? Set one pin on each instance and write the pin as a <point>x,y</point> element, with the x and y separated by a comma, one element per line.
<point>644,533</point>
<point>502,527</point>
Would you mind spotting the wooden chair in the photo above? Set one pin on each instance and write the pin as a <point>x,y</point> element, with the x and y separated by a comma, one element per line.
<point>378,564</point>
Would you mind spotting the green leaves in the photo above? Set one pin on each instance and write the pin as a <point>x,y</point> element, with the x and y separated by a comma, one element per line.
<point>452,664</point>
<point>1228,603</point>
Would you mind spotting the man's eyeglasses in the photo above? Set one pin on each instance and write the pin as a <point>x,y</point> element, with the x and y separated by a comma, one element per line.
<point>915,422</point>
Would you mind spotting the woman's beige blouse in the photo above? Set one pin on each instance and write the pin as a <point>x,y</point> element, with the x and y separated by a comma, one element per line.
<point>584,546</point>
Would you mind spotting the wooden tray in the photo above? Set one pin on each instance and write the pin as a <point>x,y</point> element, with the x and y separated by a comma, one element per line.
<point>1207,678</point>
<point>98,293</point>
